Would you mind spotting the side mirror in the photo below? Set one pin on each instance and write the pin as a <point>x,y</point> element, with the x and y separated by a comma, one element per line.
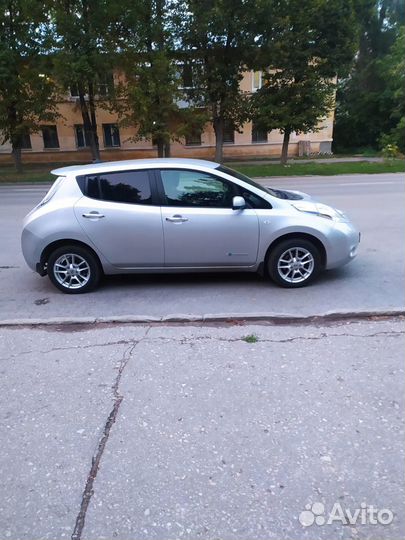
<point>238,203</point>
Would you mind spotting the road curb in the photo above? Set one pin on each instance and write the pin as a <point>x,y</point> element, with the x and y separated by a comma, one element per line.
<point>271,318</point>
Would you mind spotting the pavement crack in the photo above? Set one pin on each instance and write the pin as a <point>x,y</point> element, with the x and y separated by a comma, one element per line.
<point>186,340</point>
<point>96,459</point>
<point>71,347</point>
<point>323,335</point>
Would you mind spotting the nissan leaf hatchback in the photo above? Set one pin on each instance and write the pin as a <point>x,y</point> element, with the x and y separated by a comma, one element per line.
<point>179,215</point>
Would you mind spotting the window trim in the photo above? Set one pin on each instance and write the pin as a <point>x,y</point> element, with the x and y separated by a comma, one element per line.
<point>82,181</point>
<point>162,194</point>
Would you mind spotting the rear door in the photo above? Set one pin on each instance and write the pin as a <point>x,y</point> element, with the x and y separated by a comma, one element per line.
<point>120,214</point>
<point>200,227</point>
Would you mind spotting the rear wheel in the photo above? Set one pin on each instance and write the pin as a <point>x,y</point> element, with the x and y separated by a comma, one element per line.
<point>73,269</point>
<point>294,263</point>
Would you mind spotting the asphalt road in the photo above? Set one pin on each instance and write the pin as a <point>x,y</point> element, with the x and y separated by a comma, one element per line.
<point>168,433</point>
<point>373,281</point>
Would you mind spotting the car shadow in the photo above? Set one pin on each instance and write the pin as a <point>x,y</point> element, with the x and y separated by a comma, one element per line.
<point>212,279</point>
<point>187,279</point>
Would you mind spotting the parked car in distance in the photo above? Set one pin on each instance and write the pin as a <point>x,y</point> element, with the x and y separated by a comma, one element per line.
<point>179,215</point>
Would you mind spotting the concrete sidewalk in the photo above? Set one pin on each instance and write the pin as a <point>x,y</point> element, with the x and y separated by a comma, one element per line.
<point>167,432</point>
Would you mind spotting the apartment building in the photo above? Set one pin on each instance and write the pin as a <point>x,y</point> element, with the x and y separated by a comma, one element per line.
<point>65,141</point>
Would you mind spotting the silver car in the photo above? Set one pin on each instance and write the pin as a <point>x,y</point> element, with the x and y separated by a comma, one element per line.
<point>179,215</point>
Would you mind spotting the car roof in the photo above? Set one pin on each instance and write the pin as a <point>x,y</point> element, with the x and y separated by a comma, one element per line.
<point>132,164</point>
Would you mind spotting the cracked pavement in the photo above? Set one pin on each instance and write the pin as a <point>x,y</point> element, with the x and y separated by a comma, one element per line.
<point>180,431</point>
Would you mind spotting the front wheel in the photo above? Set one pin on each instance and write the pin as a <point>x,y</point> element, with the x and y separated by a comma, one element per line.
<point>294,263</point>
<point>73,269</point>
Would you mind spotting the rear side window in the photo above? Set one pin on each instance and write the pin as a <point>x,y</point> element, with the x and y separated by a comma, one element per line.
<point>132,187</point>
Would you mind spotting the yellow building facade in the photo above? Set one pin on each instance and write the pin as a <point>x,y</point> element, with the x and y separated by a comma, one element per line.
<point>64,140</point>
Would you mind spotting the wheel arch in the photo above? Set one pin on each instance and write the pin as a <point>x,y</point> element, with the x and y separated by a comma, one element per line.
<point>302,236</point>
<point>46,252</point>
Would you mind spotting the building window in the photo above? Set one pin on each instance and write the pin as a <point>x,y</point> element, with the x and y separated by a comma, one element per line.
<point>50,136</point>
<point>229,133</point>
<point>25,141</point>
<point>81,139</point>
<point>105,85</point>
<point>74,90</point>
<point>259,135</point>
<point>257,80</point>
<point>193,138</point>
<point>111,136</point>
<point>187,76</point>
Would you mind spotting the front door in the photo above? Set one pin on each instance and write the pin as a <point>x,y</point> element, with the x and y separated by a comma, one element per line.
<point>200,227</point>
<point>119,216</point>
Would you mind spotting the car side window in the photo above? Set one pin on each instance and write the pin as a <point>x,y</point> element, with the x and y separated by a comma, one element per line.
<point>253,200</point>
<point>194,188</point>
<point>132,187</point>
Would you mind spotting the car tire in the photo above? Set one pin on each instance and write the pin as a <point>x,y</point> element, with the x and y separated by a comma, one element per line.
<point>74,269</point>
<point>294,263</point>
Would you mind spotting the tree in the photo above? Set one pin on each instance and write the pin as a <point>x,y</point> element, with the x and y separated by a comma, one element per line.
<point>393,65</point>
<point>82,31</point>
<point>220,36</point>
<point>305,46</point>
<point>290,103</point>
<point>27,91</point>
<point>150,96</point>
<point>367,99</point>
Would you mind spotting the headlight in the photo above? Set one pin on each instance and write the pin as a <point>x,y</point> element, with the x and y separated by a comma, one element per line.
<point>320,210</point>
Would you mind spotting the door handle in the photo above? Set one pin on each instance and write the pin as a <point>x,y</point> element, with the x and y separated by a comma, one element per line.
<point>177,219</point>
<point>92,215</point>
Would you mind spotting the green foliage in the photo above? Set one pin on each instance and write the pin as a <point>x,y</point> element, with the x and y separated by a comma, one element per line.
<point>27,89</point>
<point>371,101</point>
<point>321,169</point>
<point>40,172</point>
<point>304,47</point>
<point>82,41</point>
<point>220,37</point>
<point>390,151</point>
<point>290,104</point>
<point>149,97</point>
<point>251,338</point>
<point>83,33</point>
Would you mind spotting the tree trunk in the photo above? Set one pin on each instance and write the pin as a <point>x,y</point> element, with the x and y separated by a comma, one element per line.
<point>15,140</point>
<point>91,136</point>
<point>219,138</point>
<point>160,147</point>
<point>93,120</point>
<point>284,151</point>
<point>17,158</point>
<point>167,149</point>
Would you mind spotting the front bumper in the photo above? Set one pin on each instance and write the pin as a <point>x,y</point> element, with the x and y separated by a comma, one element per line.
<point>343,246</point>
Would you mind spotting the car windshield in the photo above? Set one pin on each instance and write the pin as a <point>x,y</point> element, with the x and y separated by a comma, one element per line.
<point>248,180</point>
